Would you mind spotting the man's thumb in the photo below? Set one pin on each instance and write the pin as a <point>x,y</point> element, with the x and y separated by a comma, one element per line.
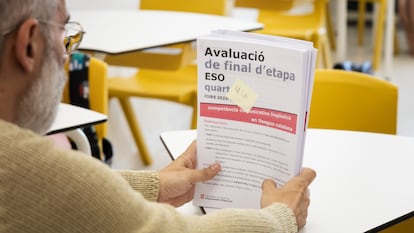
<point>207,173</point>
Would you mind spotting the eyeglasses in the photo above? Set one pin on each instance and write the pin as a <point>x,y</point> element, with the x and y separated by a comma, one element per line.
<point>73,34</point>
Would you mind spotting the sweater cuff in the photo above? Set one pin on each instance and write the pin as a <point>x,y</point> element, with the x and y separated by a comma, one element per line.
<point>145,182</point>
<point>285,215</point>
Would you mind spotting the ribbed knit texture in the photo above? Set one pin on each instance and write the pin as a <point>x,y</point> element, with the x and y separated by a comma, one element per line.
<point>145,182</point>
<point>44,189</point>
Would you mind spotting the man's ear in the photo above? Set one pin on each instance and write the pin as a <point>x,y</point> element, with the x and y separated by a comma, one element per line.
<point>27,44</point>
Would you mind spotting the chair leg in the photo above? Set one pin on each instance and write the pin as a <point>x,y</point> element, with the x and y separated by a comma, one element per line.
<point>326,51</point>
<point>195,111</point>
<point>321,42</point>
<point>135,130</point>
<point>330,30</point>
<point>361,21</point>
<point>379,34</point>
<point>396,44</point>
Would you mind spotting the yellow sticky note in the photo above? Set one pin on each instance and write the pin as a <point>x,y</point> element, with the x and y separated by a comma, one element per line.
<point>242,95</point>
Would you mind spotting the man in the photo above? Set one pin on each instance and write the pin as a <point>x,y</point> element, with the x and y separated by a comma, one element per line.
<point>47,189</point>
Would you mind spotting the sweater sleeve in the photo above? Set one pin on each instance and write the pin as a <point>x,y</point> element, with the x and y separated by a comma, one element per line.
<point>145,182</point>
<point>44,189</point>
<point>275,218</point>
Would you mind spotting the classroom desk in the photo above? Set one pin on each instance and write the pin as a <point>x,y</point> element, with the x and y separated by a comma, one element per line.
<point>70,118</point>
<point>363,179</point>
<point>116,32</point>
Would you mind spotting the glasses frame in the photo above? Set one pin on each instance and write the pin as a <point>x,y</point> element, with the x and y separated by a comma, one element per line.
<point>71,43</point>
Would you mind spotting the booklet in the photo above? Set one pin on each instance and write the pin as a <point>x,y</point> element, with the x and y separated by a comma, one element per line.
<point>254,94</point>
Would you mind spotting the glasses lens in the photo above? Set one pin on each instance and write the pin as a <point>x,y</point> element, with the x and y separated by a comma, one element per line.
<point>73,29</point>
<point>73,36</point>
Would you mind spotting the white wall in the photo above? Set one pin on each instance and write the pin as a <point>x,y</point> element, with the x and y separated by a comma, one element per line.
<point>102,4</point>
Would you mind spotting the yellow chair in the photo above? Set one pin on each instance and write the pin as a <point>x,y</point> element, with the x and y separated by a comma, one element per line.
<point>406,225</point>
<point>311,27</point>
<point>279,5</point>
<point>356,101</point>
<point>215,7</point>
<point>168,79</point>
<point>98,94</point>
<point>379,29</point>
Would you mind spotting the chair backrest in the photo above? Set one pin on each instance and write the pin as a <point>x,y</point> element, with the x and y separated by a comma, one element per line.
<point>309,8</point>
<point>356,101</point>
<point>277,5</point>
<point>216,7</point>
<point>98,92</point>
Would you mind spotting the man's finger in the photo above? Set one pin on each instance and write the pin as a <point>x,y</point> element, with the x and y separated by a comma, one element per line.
<point>188,158</point>
<point>268,184</point>
<point>308,174</point>
<point>205,174</point>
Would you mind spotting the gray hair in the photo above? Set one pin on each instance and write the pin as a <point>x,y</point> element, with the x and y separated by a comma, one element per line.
<point>14,12</point>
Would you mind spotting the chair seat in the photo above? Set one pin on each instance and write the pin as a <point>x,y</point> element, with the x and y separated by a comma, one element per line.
<point>298,27</point>
<point>176,86</point>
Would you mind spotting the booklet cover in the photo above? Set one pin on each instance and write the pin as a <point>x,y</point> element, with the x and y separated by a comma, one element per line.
<point>253,97</point>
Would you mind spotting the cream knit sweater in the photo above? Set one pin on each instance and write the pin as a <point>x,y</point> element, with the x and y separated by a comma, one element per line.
<point>46,189</point>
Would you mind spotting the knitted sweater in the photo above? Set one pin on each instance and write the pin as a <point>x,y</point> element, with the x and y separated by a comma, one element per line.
<point>46,189</point>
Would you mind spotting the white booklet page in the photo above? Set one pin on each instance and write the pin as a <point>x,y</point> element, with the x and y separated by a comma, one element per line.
<point>253,93</point>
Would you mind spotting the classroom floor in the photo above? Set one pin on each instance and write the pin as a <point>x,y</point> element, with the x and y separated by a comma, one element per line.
<point>159,116</point>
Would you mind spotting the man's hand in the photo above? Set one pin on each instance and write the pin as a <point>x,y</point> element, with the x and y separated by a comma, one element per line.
<point>294,194</point>
<point>177,179</point>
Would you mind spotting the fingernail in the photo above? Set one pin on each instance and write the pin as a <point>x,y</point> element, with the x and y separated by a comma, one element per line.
<point>215,167</point>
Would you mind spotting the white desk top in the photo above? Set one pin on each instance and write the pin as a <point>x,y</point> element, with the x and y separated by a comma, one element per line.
<point>71,117</point>
<point>364,180</point>
<point>115,32</point>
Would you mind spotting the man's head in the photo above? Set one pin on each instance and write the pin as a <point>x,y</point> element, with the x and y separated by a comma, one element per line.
<point>32,55</point>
